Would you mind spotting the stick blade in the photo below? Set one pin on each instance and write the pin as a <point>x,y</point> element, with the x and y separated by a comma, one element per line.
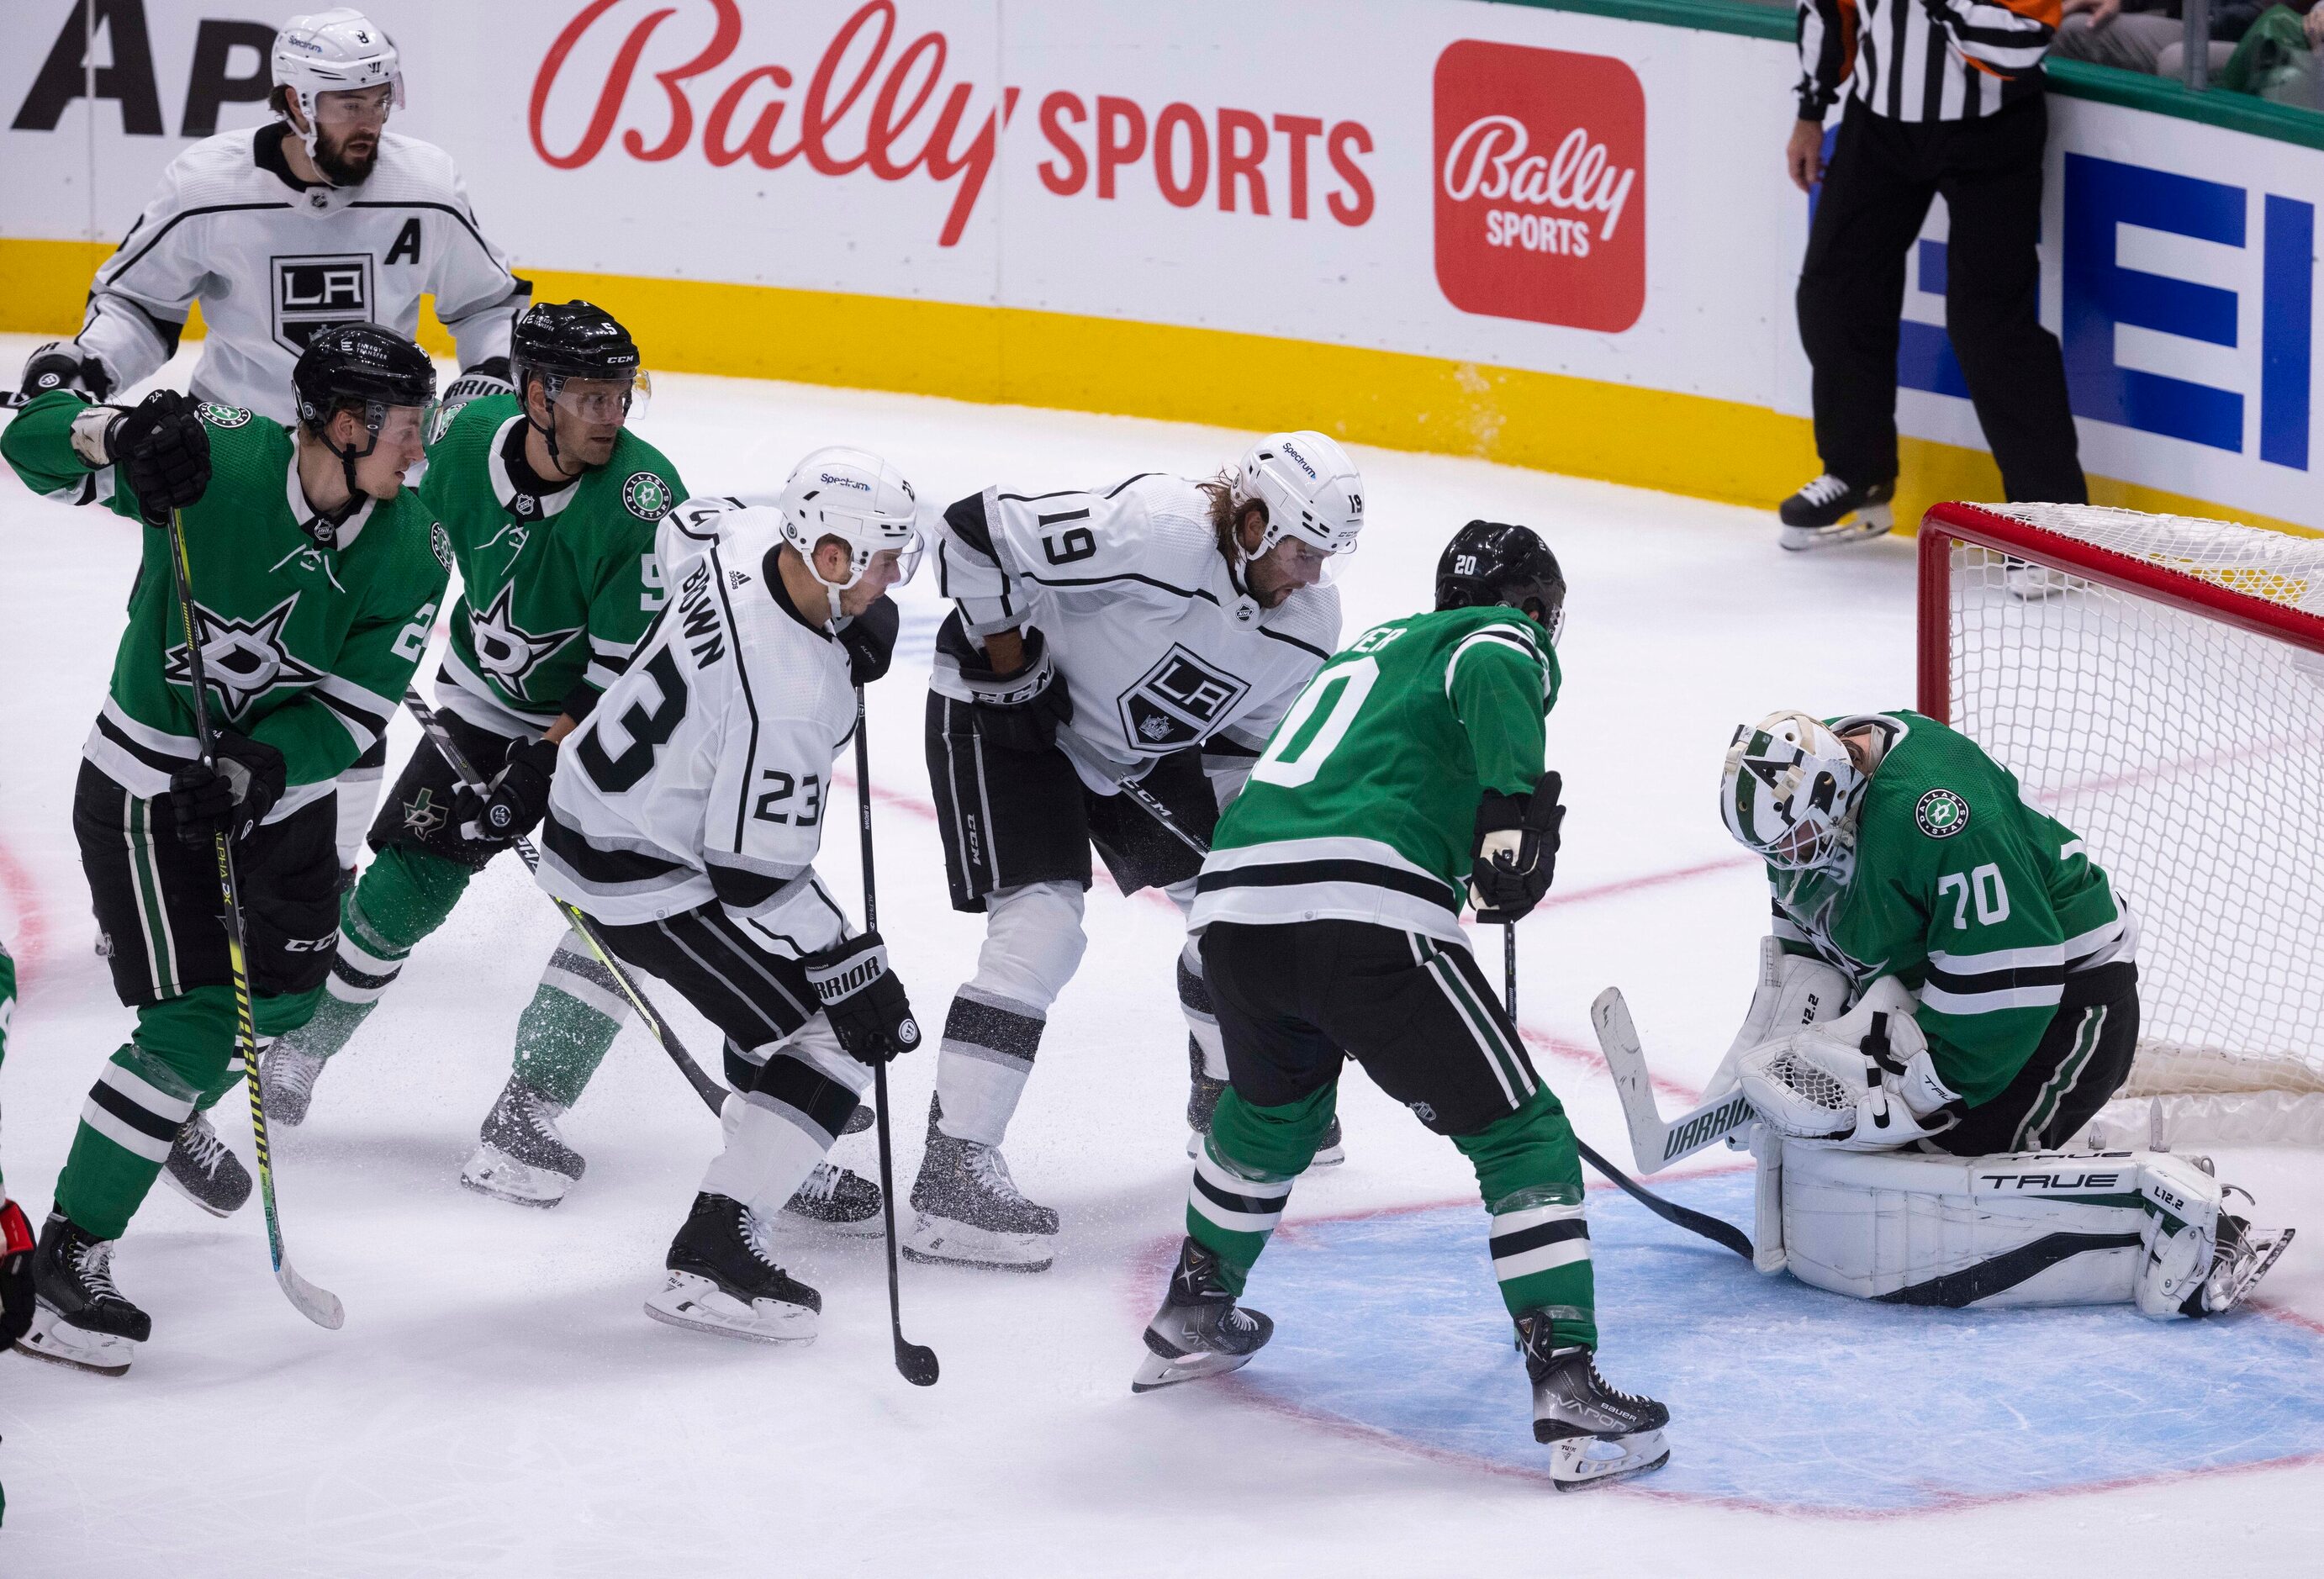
<point>915,1362</point>
<point>1625,1059</point>
<point>319,1305</point>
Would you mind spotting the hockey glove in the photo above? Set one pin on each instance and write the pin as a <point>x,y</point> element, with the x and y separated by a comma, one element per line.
<point>514,802</point>
<point>15,1273</point>
<point>862,997</point>
<point>1019,711</point>
<point>1516,851</point>
<point>233,796</point>
<point>163,449</point>
<point>62,364</point>
<point>492,376</point>
<point>870,639</point>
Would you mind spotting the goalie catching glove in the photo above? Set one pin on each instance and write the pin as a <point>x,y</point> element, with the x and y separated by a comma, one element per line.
<point>1864,1082</point>
<point>1516,851</point>
<point>864,1001</point>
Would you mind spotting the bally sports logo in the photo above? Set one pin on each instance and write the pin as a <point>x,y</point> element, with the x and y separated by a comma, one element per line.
<point>1541,207</point>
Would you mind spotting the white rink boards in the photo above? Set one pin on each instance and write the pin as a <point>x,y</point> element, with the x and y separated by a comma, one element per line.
<point>498,1403</point>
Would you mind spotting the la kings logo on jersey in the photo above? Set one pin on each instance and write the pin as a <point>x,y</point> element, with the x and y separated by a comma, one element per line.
<point>242,660</point>
<point>1178,702</point>
<point>505,650</point>
<point>312,294</point>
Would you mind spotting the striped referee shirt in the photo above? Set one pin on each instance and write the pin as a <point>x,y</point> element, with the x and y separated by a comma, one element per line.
<point>1923,60</point>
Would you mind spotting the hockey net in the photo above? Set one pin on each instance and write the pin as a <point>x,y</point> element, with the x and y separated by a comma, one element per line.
<point>2156,683</point>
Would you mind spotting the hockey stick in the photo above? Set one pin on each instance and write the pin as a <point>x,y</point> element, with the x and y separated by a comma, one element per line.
<point>1686,1217</point>
<point>917,1362</point>
<point>319,1305</point>
<point>1656,1144</point>
<point>712,1095</point>
<point>1162,814</point>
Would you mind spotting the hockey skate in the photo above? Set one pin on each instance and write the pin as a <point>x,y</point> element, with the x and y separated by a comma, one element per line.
<point>1599,1434</point>
<point>1202,1095</point>
<point>2244,1257</point>
<point>78,1317</point>
<point>286,1078</point>
<point>520,1157</point>
<point>1200,1331</point>
<point>1828,511</point>
<point>969,1211</point>
<point>205,1171</point>
<point>839,1199</point>
<point>723,1282</point>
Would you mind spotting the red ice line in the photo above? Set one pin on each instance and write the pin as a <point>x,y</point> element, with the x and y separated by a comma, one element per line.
<point>29,940</point>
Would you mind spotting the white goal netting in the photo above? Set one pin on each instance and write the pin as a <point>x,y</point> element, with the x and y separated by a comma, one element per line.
<point>2188,749</point>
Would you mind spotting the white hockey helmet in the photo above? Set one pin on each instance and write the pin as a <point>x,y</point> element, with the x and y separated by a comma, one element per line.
<point>1310,487</point>
<point>854,495</point>
<point>340,50</point>
<point>1789,791</point>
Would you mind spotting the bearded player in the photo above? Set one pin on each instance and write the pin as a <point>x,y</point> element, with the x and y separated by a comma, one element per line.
<point>1990,967</point>
<point>685,819</point>
<point>1146,636</point>
<point>315,579</point>
<point>1330,913</point>
<point>321,217</point>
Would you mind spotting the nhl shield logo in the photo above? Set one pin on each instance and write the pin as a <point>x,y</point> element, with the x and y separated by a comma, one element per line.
<point>1178,702</point>
<point>646,497</point>
<point>1941,814</point>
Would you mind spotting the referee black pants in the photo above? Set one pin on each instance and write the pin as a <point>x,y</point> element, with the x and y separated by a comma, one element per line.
<point>1876,191</point>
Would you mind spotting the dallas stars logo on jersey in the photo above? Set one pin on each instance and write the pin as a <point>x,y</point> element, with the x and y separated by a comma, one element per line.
<point>1941,814</point>
<point>505,650</point>
<point>243,660</point>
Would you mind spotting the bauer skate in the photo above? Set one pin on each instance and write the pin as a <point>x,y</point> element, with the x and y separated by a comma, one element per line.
<point>1827,513</point>
<point>723,1282</point>
<point>79,1317</point>
<point>1598,1434</point>
<point>2244,1257</point>
<point>839,1199</point>
<point>519,1156</point>
<point>1202,1095</point>
<point>969,1211</point>
<point>205,1171</point>
<point>1200,1331</point>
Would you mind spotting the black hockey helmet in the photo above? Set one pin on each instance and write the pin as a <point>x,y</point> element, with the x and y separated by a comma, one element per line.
<point>1492,562</point>
<point>359,366</point>
<point>558,340</point>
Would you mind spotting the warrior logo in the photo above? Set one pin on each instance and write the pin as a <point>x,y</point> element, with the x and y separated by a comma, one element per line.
<point>505,650</point>
<point>421,815</point>
<point>646,497</point>
<point>313,293</point>
<point>1942,814</point>
<point>242,660</point>
<point>1178,702</point>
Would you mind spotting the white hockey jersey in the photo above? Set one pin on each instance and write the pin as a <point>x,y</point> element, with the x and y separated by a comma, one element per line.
<point>272,262</point>
<point>705,772</point>
<point>1156,647</point>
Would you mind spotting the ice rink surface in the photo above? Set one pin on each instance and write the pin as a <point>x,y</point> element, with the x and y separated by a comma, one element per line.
<point>497,1403</point>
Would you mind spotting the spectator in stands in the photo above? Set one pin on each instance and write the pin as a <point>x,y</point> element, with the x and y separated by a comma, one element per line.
<point>1943,96</point>
<point>2147,35</point>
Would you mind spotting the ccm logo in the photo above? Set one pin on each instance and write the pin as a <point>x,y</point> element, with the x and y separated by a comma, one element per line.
<point>1540,176</point>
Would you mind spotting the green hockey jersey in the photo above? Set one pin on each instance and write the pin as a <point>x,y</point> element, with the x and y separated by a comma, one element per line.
<point>556,587</point>
<point>1363,805</point>
<point>1962,892</point>
<point>309,635</point>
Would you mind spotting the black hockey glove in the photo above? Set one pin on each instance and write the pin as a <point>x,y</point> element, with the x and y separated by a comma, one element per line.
<point>1019,711</point>
<point>1516,851</point>
<point>492,376</point>
<point>234,795</point>
<point>163,449</point>
<point>516,799</point>
<point>865,1002</point>
<point>870,639</point>
<point>15,1273</point>
<point>61,364</point>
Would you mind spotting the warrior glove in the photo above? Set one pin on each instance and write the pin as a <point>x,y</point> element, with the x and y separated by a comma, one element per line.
<point>864,1001</point>
<point>1019,711</point>
<point>15,1273</point>
<point>870,639</point>
<point>1516,851</point>
<point>512,805</point>
<point>163,449</point>
<point>232,794</point>
<point>62,364</point>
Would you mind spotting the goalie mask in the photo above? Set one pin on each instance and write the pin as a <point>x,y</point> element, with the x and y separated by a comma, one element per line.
<point>1789,792</point>
<point>858,498</point>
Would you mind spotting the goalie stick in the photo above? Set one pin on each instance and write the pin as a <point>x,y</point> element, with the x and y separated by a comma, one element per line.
<point>319,1305</point>
<point>712,1095</point>
<point>1655,1143</point>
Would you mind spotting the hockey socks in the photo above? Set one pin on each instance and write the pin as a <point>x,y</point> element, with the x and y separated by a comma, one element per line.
<point>567,1029</point>
<point>986,1058</point>
<point>1243,1173</point>
<point>1530,1176</point>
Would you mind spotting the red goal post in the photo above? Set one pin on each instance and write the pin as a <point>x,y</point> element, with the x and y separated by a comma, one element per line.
<point>2157,684</point>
